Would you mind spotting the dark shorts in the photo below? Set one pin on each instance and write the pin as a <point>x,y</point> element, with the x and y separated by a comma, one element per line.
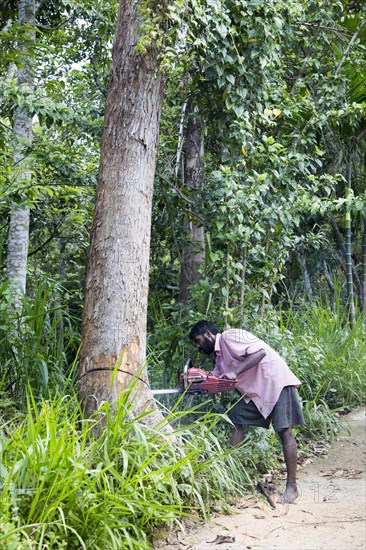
<point>286,413</point>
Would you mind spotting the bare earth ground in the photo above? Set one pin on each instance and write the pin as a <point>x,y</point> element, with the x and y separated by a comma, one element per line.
<point>329,514</point>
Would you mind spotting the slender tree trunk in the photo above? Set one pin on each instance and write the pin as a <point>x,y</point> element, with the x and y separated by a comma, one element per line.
<point>60,329</point>
<point>18,236</point>
<point>350,297</point>
<point>329,280</point>
<point>115,310</point>
<point>242,287</point>
<point>193,252</point>
<point>306,277</point>
<point>180,142</point>
<point>342,248</point>
<point>227,289</point>
<point>266,254</point>
<point>364,263</point>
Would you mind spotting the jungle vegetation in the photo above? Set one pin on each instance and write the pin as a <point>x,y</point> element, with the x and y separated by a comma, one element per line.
<point>255,217</point>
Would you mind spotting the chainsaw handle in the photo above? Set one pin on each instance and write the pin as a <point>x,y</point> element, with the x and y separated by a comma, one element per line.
<point>188,364</point>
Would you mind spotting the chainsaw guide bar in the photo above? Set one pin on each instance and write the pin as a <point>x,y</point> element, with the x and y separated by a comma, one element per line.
<point>198,381</point>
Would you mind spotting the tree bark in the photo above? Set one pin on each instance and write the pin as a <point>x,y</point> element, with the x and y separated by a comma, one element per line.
<point>193,252</point>
<point>342,248</point>
<point>350,296</point>
<point>329,280</point>
<point>18,236</point>
<point>115,309</point>
<point>242,285</point>
<point>363,223</point>
<point>306,277</point>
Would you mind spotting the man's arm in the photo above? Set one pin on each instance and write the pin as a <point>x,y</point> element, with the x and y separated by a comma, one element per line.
<point>248,363</point>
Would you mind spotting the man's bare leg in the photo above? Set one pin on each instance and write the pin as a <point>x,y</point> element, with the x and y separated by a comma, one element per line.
<point>290,453</point>
<point>236,435</point>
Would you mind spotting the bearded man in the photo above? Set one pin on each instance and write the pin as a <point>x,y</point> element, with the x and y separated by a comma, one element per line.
<point>266,383</point>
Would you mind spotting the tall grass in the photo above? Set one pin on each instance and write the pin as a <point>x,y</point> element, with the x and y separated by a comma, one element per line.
<point>61,487</point>
<point>316,341</point>
<point>33,352</point>
<point>327,354</point>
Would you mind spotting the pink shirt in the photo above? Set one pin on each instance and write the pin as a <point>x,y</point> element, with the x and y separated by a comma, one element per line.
<point>263,383</point>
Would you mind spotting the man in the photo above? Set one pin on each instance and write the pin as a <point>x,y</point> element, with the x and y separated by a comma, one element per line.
<point>266,384</point>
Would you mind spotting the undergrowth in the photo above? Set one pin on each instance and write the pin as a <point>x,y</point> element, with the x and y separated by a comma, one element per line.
<point>61,487</point>
<point>38,342</point>
<point>327,355</point>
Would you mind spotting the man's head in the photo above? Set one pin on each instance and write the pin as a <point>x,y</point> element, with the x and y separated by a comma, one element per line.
<point>203,335</point>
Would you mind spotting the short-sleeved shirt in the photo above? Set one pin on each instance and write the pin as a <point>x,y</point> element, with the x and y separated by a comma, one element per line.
<point>263,383</point>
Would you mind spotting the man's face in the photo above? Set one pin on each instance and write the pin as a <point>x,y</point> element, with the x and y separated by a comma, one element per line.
<point>205,343</point>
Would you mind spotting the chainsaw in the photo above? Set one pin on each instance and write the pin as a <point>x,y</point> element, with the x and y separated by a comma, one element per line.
<point>198,381</point>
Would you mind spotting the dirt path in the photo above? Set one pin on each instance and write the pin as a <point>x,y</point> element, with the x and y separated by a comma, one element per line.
<point>330,513</point>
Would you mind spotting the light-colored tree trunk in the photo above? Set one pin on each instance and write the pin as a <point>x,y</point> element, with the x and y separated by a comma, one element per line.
<point>18,236</point>
<point>330,282</point>
<point>227,288</point>
<point>242,286</point>
<point>306,277</point>
<point>193,252</point>
<point>115,309</point>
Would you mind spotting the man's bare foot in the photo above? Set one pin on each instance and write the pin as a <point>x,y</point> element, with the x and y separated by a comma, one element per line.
<point>290,494</point>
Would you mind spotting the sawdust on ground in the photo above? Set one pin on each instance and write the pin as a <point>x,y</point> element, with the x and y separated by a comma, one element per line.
<point>329,514</point>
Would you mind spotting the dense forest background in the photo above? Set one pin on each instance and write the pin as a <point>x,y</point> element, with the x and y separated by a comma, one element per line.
<point>259,208</point>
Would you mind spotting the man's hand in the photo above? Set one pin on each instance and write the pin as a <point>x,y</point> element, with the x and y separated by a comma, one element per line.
<point>229,375</point>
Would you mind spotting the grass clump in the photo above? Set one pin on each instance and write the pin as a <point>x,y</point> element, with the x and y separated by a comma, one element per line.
<point>327,354</point>
<point>39,342</point>
<point>61,487</point>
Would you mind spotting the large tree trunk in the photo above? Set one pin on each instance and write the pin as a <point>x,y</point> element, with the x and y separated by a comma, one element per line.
<point>18,236</point>
<point>193,252</point>
<point>115,309</point>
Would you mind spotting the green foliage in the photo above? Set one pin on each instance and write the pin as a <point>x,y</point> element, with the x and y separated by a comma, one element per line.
<point>274,83</point>
<point>321,423</point>
<point>327,354</point>
<point>281,88</point>
<point>317,343</point>
<point>60,486</point>
<point>35,353</point>
<point>70,61</point>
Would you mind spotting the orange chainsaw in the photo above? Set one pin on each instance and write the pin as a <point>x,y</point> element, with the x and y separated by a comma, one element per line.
<point>198,381</point>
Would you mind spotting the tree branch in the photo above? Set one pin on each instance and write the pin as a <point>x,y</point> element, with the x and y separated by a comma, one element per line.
<point>62,24</point>
<point>348,49</point>
<point>53,235</point>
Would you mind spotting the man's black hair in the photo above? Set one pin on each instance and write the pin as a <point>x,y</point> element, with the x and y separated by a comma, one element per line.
<point>200,328</point>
